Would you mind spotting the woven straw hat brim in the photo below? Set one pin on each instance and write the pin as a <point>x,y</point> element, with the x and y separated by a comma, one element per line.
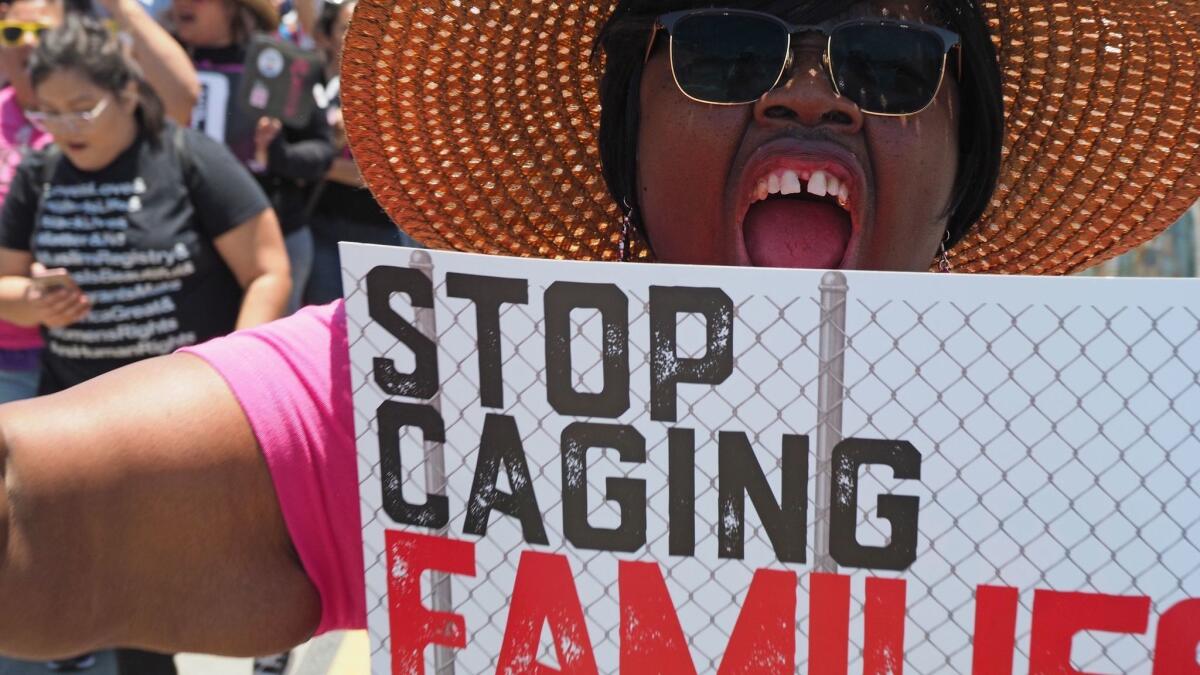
<point>476,127</point>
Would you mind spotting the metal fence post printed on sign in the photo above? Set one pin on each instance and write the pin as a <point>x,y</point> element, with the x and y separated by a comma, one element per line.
<point>425,320</point>
<point>591,468</point>
<point>830,393</point>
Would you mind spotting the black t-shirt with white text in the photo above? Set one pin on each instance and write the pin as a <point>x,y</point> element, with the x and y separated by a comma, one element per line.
<point>137,236</point>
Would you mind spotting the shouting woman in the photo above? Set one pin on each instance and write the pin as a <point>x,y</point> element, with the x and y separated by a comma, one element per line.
<point>1007,135</point>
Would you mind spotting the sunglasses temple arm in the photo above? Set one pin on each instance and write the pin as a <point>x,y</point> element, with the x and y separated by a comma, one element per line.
<point>650,44</point>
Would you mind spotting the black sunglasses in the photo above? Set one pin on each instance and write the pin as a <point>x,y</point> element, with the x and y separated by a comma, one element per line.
<point>733,57</point>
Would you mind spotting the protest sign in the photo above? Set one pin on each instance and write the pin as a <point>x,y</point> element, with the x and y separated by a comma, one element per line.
<point>278,80</point>
<point>650,468</point>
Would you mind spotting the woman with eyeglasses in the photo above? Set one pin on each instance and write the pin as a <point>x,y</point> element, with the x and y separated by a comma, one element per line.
<point>877,135</point>
<point>142,237</point>
<point>129,236</point>
<point>22,25</point>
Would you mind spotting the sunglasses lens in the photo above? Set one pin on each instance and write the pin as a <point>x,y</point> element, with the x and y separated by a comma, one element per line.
<point>727,58</point>
<point>887,69</point>
<point>12,34</point>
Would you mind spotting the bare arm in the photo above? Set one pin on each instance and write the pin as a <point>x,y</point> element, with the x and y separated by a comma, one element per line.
<point>138,510</point>
<point>255,252</point>
<point>166,65</point>
<point>345,171</point>
<point>306,12</point>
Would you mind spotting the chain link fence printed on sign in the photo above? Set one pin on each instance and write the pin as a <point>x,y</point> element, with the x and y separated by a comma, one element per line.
<point>1060,448</point>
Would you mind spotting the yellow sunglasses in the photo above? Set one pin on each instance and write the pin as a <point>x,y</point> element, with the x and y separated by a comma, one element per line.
<point>13,33</point>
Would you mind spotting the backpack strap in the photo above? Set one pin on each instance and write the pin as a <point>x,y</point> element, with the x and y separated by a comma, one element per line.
<point>50,159</point>
<point>51,155</point>
<point>183,153</point>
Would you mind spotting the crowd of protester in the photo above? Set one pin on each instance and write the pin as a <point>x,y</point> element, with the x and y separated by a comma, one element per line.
<point>147,206</point>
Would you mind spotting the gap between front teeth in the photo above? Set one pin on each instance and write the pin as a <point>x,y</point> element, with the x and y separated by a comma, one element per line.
<point>819,184</point>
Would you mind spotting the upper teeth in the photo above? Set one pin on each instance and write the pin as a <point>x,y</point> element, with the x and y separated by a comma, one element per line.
<point>818,183</point>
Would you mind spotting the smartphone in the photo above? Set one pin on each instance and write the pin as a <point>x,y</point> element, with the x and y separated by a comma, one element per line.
<point>51,280</point>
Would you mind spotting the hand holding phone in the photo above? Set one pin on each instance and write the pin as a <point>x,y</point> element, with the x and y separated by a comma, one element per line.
<point>49,280</point>
<point>55,298</point>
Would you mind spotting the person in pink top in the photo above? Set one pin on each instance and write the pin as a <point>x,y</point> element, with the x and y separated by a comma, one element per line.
<point>19,346</point>
<point>238,456</point>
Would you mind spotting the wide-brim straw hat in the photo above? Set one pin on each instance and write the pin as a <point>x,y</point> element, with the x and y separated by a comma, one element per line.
<point>475,125</point>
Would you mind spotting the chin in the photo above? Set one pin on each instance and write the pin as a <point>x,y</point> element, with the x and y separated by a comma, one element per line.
<point>85,161</point>
<point>191,34</point>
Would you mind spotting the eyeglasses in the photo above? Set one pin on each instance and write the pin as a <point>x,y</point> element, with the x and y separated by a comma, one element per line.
<point>13,33</point>
<point>733,57</point>
<point>67,121</point>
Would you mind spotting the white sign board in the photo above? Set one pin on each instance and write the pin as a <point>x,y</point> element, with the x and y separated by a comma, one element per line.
<point>597,467</point>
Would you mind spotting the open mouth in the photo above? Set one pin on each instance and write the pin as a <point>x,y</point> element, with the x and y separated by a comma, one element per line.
<point>799,217</point>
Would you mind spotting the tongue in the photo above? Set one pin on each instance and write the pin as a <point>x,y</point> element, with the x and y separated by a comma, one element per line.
<point>796,233</point>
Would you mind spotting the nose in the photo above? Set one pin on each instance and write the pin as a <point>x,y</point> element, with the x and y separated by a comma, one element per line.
<point>806,95</point>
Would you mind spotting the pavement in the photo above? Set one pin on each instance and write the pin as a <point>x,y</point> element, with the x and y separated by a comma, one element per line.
<point>332,654</point>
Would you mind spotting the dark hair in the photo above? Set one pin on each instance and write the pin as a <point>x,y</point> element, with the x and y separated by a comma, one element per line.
<point>246,23</point>
<point>79,7</point>
<point>86,46</point>
<point>981,120</point>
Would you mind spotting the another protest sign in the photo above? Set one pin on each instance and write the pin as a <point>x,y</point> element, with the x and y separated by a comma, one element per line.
<point>278,80</point>
<point>653,468</point>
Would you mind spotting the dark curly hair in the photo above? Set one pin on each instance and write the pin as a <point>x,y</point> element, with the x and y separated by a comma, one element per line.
<point>622,40</point>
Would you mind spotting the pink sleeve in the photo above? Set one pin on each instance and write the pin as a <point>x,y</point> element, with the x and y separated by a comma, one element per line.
<point>292,378</point>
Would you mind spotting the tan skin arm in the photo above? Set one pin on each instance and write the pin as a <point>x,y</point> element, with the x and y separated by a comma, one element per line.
<point>254,251</point>
<point>343,170</point>
<point>126,518</point>
<point>164,62</point>
<point>306,12</point>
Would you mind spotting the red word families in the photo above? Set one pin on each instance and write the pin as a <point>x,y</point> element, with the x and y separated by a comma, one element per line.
<point>764,637</point>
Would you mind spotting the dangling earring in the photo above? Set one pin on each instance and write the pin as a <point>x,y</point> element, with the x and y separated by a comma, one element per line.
<point>944,257</point>
<point>626,223</point>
